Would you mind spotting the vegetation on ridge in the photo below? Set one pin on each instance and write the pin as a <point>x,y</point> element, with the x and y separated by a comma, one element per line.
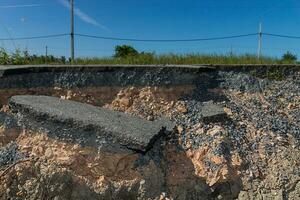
<point>128,55</point>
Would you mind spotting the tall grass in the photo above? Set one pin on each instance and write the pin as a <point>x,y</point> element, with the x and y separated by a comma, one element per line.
<point>181,59</point>
<point>23,57</point>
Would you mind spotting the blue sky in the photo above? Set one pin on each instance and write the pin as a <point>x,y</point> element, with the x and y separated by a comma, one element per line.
<point>152,19</point>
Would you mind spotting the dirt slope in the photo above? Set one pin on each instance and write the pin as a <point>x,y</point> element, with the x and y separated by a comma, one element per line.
<point>251,152</point>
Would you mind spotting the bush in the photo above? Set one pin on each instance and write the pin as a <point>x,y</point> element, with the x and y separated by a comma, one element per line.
<point>125,51</point>
<point>289,57</point>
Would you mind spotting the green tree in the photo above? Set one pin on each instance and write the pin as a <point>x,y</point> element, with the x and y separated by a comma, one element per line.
<point>124,51</point>
<point>289,57</point>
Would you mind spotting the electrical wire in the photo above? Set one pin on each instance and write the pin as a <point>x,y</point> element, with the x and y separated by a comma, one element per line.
<point>282,36</point>
<point>148,40</point>
<point>156,40</point>
<point>35,37</point>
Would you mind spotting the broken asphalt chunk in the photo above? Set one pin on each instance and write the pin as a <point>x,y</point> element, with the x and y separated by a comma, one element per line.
<point>87,124</point>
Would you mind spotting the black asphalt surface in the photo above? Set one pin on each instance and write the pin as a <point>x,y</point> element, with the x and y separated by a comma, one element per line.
<point>93,76</point>
<point>132,132</point>
<point>22,69</point>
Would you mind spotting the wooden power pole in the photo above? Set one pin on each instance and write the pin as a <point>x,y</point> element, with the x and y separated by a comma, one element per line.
<point>46,55</point>
<point>72,31</point>
<point>259,41</point>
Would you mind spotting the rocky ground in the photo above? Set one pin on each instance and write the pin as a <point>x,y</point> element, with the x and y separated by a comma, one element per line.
<point>236,137</point>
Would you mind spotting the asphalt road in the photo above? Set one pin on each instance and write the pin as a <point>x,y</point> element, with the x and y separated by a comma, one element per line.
<point>132,132</point>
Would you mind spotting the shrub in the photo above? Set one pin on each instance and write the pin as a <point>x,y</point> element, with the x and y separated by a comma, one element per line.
<point>289,57</point>
<point>125,51</point>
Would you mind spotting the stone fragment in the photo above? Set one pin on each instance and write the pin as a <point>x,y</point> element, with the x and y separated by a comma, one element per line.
<point>213,113</point>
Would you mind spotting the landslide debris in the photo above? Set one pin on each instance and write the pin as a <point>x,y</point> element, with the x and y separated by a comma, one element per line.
<point>255,150</point>
<point>248,149</point>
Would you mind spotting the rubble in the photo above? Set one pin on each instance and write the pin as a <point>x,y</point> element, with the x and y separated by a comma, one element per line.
<point>237,137</point>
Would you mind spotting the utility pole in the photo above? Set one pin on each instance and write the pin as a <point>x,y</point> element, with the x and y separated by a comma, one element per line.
<point>72,31</point>
<point>259,41</point>
<point>46,58</point>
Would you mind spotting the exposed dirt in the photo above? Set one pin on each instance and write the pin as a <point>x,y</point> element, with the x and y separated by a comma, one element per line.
<point>68,171</point>
<point>151,102</point>
<point>97,96</point>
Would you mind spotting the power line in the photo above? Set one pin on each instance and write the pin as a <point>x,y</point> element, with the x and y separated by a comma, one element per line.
<point>148,40</point>
<point>156,40</point>
<point>35,37</point>
<point>160,49</point>
<point>282,36</point>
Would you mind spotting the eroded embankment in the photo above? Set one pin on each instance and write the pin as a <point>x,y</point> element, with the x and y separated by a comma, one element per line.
<point>237,135</point>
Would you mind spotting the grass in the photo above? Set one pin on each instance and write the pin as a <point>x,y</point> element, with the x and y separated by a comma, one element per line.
<point>23,57</point>
<point>181,59</point>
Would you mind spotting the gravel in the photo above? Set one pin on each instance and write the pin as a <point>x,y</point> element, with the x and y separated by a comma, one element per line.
<point>270,119</point>
<point>9,154</point>
<point>269,110</point>
<point>84,76</point>
<point>2,118</point>
<point>241,82</point>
